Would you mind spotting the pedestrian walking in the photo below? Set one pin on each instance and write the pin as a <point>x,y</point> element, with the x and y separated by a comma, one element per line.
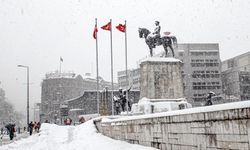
<point>31,125</point>
<point>38,127</point>
<point>209,98</point>
<point>11,129</point>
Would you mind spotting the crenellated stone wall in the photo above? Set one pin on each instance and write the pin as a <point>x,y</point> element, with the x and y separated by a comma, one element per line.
<point>185,130</point>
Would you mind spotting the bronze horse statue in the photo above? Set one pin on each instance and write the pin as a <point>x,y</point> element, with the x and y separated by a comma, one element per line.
<point>165,41</point>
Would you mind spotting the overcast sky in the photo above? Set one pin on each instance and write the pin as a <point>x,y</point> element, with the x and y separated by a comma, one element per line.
<point>37,32</point>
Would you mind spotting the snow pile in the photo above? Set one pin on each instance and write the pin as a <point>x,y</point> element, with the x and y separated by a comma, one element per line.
<point>212,108</point>
<point>160,59</point>
<point>84,136</point>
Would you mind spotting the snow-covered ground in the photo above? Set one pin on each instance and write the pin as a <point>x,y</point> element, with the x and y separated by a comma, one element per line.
<point>5,139</point>
<point>81,137</point>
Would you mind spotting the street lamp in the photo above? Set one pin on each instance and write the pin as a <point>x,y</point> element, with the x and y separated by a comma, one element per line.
<point>27,67</point>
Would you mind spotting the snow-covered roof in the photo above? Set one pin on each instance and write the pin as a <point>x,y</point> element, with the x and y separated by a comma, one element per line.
<point>212,108</point>
<point>76,109</point>
<point>72,99</point>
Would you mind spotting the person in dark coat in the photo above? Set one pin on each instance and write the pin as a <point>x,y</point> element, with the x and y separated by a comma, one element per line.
<point>38,127</point>
<point>1,130</point>
<point>209,98</point>
<point>121,99</point>
<point>117,105</point>
<point>31,125</point>
<point>11,130</point>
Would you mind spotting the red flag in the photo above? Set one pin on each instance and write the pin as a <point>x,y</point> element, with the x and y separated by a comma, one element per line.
<point>121,28</point>
<point>167,33</point>
<point>95,32</point>
<point>107,26</point>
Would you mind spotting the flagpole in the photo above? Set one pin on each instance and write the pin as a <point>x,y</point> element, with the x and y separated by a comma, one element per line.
<point>97,72</point>
<point>112,83</point>
<point>126,64</point>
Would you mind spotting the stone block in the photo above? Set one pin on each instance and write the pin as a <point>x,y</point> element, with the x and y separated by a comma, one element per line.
<point>175,147</point>
<point>187,139</point>
<point>157,135</point>
<point>156,128</point>
<point>232,145</point>
<point>232,138</point>
<point>176,119</point>
<point>244,113</point>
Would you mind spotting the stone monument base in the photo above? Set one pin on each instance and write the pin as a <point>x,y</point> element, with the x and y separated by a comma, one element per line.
<point>161,78</point>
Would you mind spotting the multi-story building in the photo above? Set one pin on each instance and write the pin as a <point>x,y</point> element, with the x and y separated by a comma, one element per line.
<point>236,78</point>
<point>201,71</point>
<point>58,87</point>
<point>133,79</point>
<point>90,83</point>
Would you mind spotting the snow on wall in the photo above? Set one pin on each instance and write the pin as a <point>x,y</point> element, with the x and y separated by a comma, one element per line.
<point>225,126</point>
<point>227,106</point>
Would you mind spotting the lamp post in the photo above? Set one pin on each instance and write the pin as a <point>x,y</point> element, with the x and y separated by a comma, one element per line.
<point>27,67</point>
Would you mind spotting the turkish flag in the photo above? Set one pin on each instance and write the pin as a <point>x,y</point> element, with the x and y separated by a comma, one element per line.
<point>107,26</point>
<point>95,32</point>
<point>121,28</point>
<point>167,33</point>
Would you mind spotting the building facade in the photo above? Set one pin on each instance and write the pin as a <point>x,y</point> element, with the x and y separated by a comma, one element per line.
<point>201,71</point>
<point>236,78</point>
<point>133,79</point>
<point>58,87</point>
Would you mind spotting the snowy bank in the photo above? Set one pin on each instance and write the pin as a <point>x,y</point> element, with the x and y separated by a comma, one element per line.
<point>84,136</point>
<point>220,107</point>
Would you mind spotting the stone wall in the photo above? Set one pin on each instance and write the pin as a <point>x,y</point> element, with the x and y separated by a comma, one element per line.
<point>221,129</point>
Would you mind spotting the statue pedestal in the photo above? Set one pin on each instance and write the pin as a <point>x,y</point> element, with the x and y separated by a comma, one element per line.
<point>161,78</point>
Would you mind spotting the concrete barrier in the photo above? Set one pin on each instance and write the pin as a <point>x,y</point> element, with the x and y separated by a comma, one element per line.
<point>209,128</point>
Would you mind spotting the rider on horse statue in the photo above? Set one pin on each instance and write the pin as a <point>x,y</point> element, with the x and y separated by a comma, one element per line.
<point>156,35</point>
<point>154,39</point>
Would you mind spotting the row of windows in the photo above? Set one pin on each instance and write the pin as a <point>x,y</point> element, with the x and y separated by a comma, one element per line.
<point>200,95</point>
<point>204,64</point>
<point>122,78</point>
<point>200,99</point>
<point>204,53</point>
<point>205,83</point>
<point>204,60</point>
<point>206,75</point>
<point>207,71</point>
<point>206,87</point>
<point>200,53</point>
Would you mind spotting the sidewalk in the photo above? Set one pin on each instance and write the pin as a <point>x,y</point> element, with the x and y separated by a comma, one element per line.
<point>6,140</point>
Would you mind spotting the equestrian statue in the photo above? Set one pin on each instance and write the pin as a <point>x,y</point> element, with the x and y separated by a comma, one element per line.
<point>154,39</point>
